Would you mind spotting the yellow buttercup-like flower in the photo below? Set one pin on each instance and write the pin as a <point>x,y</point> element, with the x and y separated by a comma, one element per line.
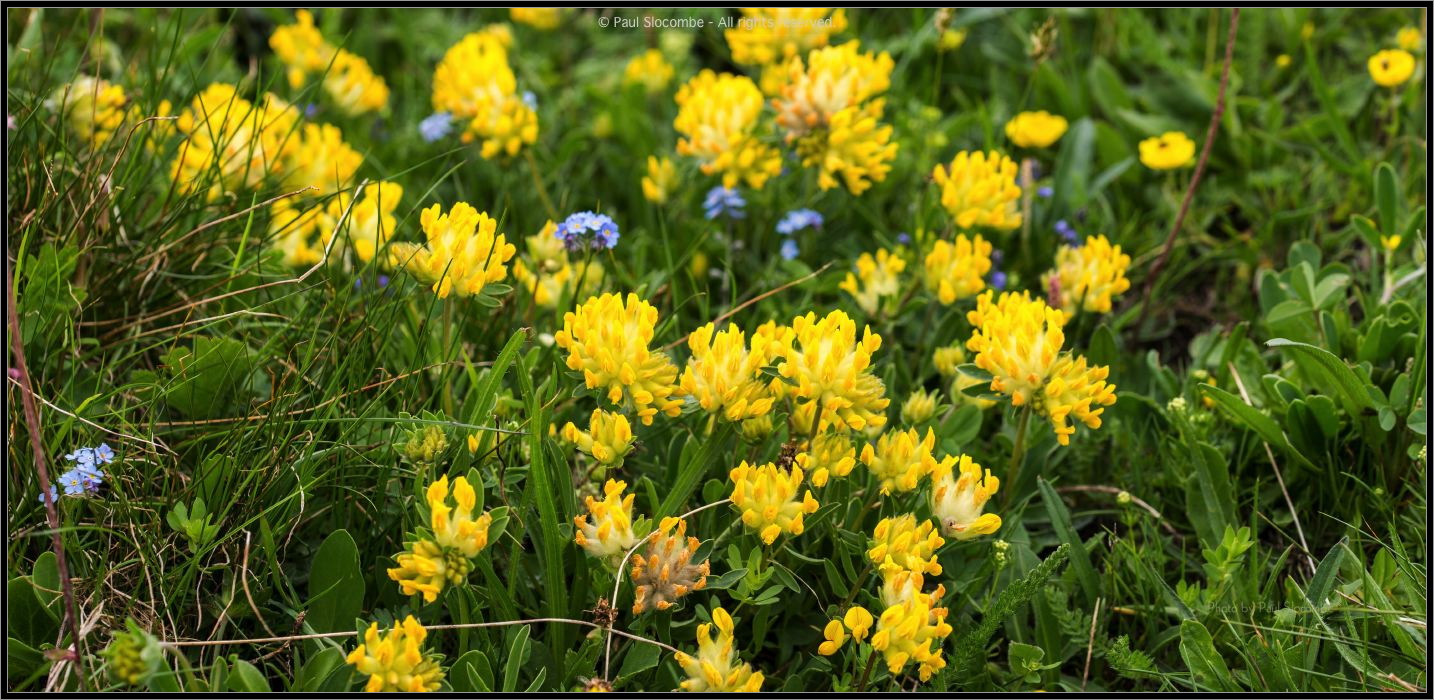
<point>956,271</point>
<point>951,39</point>
<point>979,189</point>
<point>608,437</point>
<point>610,534</point>
<point>1283,61</point>
<point>660,179</point>
<point>725,377</point>
<point>465,252</point>
<point>650,70</point>
<point>768,35</point>
<point>396,661</point>
<point>1168,151</point>
<point>664,572</point>
<point>877,280</point>
<point>959,490</point>
<point>607,340</point>
<point>475,84</point>
<point>716,668</point>
<point>544,18</point>
<point>828,455</point>
<point>322,160</point>
<point>900,458</point>
<point>1035,129</point>
<point>93,108</point>
<point>1088,277</point>
<point>1075,390</point>
<point>1390,243</point>
<point>1391,67</point>
<point>832,372</point>
<point>444,556</point>
<point>767,498</point>
<point>717,116</point>
<point>1409,38</point>
<point>903,542</point>
<point>370,221</point>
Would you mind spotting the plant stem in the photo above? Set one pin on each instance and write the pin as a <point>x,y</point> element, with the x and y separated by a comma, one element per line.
<point>1018,452</point>
<point>866,674</point>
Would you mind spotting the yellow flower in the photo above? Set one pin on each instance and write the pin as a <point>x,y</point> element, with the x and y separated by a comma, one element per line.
<point>955,271</point>
<point>543,18</point>
<point>856,147</point>
<point>717,116</point>
<point>767,497</point>
<point>828,455</point>
<point>293,230</point>
<point>835,635</point>
<point>546,248</point>
<point>876,280</point>
<point>717,669</point>
<point>353,86</point>
<point>767,35</point>
<point>957,501</point>
<point>1088,276</point>
<point>607,341</point>
<point>231,143</point>
<point>1168,151</point>
<point>1018,340</point>
<point>1409,38</point>
<point>979,189</point>
<point>1035,129</point>
<point>904,543</point>
<point>1391,243</point>
<point>608,437</point>
<point>913,631</point>
<point>1307,31</point>
<point>665,572</point>
<point>757,429</point>
<point>301,47</point>
<point>465,252</point>
<point>475,84</point>
<point>396,662</point>
<point>93,109</point>
<point>832,372</point>
<point>724,377</point>
<point>900,458</point>
<point>947,359</point>
<point>650,70</point>
<point>661,177</point>
<point>858,620</point>
<point>830,80</point>
<point>1075,390</point>
<point>951,39</point>
<point>609,535</point>
<point>445,558</point>
<point>348,79</point>
<point>920,407</point>
<point>322,160</point>
<point>1283,61</point>
<point>370,222</point>
<point>548,288</point>
<point>1391,67</point>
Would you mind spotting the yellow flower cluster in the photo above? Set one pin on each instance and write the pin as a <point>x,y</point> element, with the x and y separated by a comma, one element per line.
<point>464,251</point>
<point>93,108</point>
<point>650,70</point>
<point>1035,129</point>
<point>664,572</point>
<point>725,377</point>
<point>607,341</point>
<point>912,629</point>
<point>322,160</point>
<point>919,407</point>
<point>901,542</point>
<point>900,458</point>
<point>857,620</point>
<point>716,668</point>
<point>767,498</point>
<point>832,373</point>
<point>231,143</point>
<point>957,500</point>
<point>475,84</point>
<point>768,37</point>
<point>396,662</point>
<point>1409,38</point>
<point>348,79</point>
<point>1088,277</point>
<point>824,109</point>
<point>1391,67</point>
<point>980,189</point>
<point>445,557</point>
<point>549,275</point>
<point>610,534</point>
<point>877,280</point>
<point>660,180</point>
<point>827,455</point>
<point>1168,151</point>
<point>302,232</point>
<point>717,115</point>
<point>956,271</point>
<point>543,18</point>
<point>608,437</point>
<point>1018,340</point>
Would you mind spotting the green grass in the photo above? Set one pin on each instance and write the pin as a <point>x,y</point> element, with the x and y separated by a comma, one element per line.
<point>1289,551</point>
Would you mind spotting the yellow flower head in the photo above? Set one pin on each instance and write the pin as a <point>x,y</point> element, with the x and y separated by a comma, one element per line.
<point>830,454</point>
<point>465,252</point>
<point>958,493</point>
<point>1035,129</point>
<point>859,621</point>
<point>1018,340</point>
<point>829,81</point>
<point>948,358</point>
<point>900,458</point>
<point>457,537</point>
<point>650,70</point>
<point>951,39</point>
<point>876,280</point>
<point>301,47</point>
<point>353,85</point>
<point>322,160</point>
<point>1391,67</point>
<point>608,437</point>
<point>1283,61</point>
<point>231,143</point>
<point>553,275</point>
<point>370,222</point>
<point>912,632</point>
<point>348,79</point>
<point>546,249</point>
<point>832,371</point>
<point>979,189</point>
<point>904,543</point>
<point>717,669</point>
<point>920,407</point>
<point>1088,276</point>
<point>607,340</point>
<point>854,151</point>
<point>956,271</point>
<point>725,377</point>
<point>660,179</point>
<point>543,18</point>
<point>835,635</point>
<point>767,35</point>
<point>1390,243</point>
<point>1075,390</point>
<point>475,84</point>
<point>757,429</point>
<point>293,228</point>
<point>609,535</point>
<point>396,661</point>
<point>767,497</point>
<point>93,109</point>
<point>1409,38</point>
<point>1168,151</point>
<point>664,572</point>
<point>717,117</point>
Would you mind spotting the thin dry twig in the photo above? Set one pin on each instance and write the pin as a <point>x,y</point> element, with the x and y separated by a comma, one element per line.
<point>1133,499</point>
<point>1090,644</point>
<point>152,443</point>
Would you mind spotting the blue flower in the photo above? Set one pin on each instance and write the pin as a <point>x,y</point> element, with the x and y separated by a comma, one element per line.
<point>723,201</point>
<point>435,126</point>
<point>903,238</point>
<point>311,110</point>
<point>1045,192</point>
<point>790,249</point>
<point>54,494</point>
<point>797,220</point>
<point>997,280</point>
<point>84,456</point>
<point>587,228</point>
<point>1068,233</point>
<point>103,454</point>
<point>530,100</point>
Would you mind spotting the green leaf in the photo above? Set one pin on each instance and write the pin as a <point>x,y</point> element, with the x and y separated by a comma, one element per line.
<point>1351,389</point>
<point>311,675</point>
<point>517,654</point>
<point>247,679</point>
<point>471,673</point>
<point>1322,583</point>
<point>488,387</point>
<point>336,584</point>
<point>639,658</point>
<point>1386,195</point>
<point>1210,505</point>
<point>1263,425</point>
<point>1207,668</point>
<point>547,491</point>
